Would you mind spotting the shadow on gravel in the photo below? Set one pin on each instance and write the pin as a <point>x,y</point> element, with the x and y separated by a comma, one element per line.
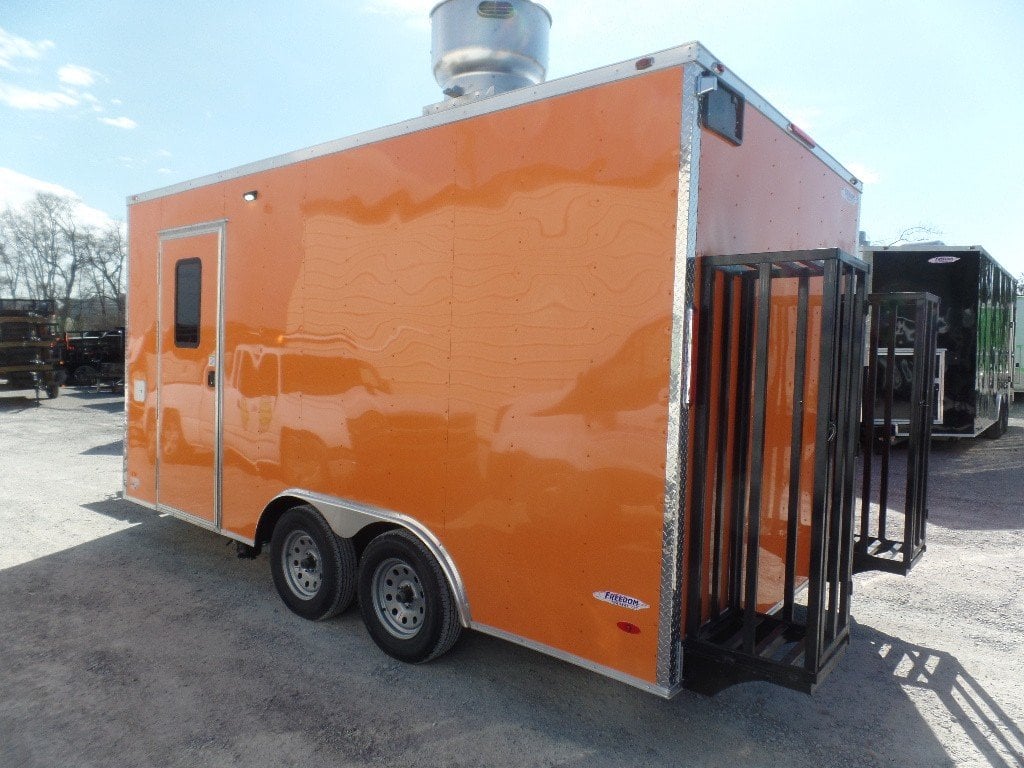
<point>994,466</point>
<point>17,403</point>
<point>115,448</point>
<point>118,509</point>
<point>158,631</point>
<point>974,711</point>
<point>117,406</point>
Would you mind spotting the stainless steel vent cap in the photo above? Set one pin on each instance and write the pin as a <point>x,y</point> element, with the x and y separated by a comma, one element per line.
<point>479,46</point>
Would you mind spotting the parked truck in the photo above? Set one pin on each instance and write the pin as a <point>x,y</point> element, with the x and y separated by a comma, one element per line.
<point>975,331</point>
<point>28,357</point>
<point>574,363</point>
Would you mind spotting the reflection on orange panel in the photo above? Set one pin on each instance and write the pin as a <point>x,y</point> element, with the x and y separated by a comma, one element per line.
<point>564,262</point>
<point>187,401</point>
<point>140,356</point>
<point>336,356</point>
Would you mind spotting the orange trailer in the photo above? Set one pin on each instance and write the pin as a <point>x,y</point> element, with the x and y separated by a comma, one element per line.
<point>499,367</point>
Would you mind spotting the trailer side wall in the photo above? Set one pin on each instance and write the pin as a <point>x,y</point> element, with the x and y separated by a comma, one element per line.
<point>469,325</point>
<point>771,194</point>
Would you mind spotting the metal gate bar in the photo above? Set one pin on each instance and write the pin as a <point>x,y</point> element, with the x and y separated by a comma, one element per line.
<point>727,633</point>
<point>898,321</point>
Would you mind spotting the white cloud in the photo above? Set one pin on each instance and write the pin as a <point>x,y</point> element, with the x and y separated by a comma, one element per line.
<point>23,98</point>
<point>71,74</point>
<point>16,189</point>
<point>865,173</point>
<point>13,48</point>
<point>164,171</point>
<point>119,122</point>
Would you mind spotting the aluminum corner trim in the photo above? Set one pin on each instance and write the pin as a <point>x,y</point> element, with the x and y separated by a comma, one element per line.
<point>669,662</point>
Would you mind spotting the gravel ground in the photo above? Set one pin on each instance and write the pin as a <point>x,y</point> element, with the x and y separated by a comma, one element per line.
<point>131,639</point>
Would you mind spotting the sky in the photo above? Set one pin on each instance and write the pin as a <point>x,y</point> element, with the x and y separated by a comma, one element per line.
<point>100,99</point>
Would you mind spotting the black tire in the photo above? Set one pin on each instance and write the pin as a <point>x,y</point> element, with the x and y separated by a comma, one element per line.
<point>86,375</point>
<point>418,620</point>
<point>52,390</point>
<point>314,570</point>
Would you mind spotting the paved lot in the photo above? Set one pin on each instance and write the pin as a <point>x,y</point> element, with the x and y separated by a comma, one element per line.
<point>131,639</point>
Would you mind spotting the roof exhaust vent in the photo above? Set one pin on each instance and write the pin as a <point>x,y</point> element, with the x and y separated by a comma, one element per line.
<point>480,49</point>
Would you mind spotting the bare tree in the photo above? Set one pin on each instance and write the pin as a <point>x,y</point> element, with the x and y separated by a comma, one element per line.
<point>915,234</point>
<point>106,268</point>
<point>10,268</point>
<point>46,253</point>
<point>12,261</point>
<point>43,239</point>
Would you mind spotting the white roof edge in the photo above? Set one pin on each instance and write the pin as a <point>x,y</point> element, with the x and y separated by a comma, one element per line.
<point>929,248</point>
<point>672,57</point>
<point>912,248</point>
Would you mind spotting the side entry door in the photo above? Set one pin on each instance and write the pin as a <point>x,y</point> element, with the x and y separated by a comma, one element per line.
<point>188,434</point>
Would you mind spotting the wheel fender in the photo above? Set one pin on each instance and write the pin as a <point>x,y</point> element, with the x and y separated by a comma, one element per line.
<point>346,518</point>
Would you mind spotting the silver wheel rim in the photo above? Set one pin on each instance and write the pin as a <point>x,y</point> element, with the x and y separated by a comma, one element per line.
<point>302,564</point>
<point>398,598</point>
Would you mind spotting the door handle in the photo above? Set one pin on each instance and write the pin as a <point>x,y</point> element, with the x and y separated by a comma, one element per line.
<point>211,378</point>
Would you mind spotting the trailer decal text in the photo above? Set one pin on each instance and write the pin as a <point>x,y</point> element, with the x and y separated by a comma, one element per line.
<point>623,601</point>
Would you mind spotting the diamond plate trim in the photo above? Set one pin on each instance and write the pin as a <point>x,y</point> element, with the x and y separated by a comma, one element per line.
<point>669,667</point>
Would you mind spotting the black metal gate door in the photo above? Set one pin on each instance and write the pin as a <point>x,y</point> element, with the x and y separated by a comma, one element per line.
<point>900,401</point>
<point>779,355</point>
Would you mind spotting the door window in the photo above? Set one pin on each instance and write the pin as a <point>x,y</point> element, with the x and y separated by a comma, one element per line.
<point>188,282</point>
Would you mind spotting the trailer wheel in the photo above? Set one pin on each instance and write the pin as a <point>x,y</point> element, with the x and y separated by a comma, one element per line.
<point>52,390</point>
<point>86,375</point>
<point>314,570</point>
<point>404,598</point>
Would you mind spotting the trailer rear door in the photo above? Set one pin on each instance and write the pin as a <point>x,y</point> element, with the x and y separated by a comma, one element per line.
<point>189,353</point>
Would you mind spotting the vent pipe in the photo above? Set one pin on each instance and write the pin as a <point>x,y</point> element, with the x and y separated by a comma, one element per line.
<point>483,48</point>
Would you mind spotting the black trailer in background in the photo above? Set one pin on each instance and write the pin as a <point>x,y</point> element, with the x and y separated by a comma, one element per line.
<point>975,331</point>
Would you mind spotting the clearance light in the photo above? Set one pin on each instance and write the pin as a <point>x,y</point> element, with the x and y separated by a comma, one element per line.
<point>802,135</point>
<point>645,63</point>
<point>250,196</point>
<point>629,629</point>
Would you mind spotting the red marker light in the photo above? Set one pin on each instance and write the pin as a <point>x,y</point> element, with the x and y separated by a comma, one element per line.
<point>645,63</point>
<point>802,135</point>
<point>629,629</point>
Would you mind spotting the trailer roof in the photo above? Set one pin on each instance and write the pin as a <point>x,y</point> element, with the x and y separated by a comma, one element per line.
<point>672,57</point>
<point>939,249</point>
